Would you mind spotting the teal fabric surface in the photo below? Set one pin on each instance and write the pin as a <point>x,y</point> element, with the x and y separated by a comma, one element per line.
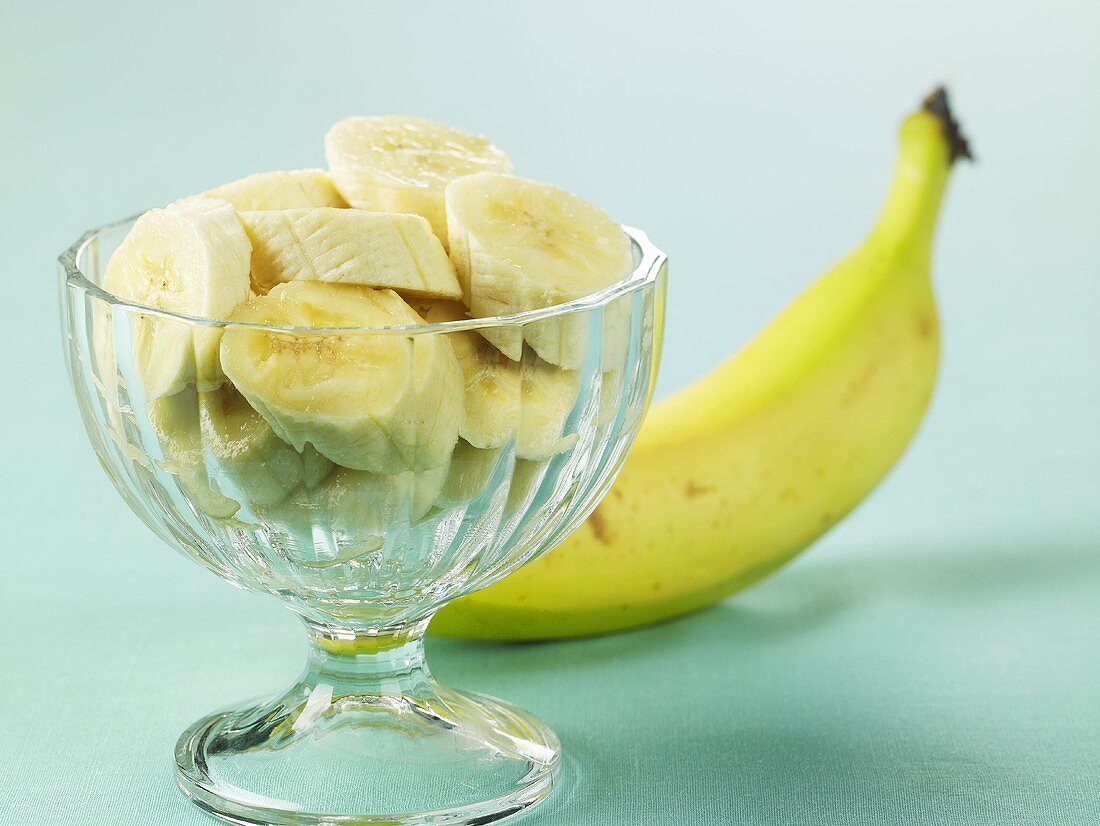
<point>936,660</point>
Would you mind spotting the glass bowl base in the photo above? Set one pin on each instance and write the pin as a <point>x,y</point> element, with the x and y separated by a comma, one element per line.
<point>312,756</point>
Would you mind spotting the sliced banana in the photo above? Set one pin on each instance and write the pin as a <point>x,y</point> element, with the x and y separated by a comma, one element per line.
<point>315,467</point>
<point>376,401</point>
<point>359,507</point>
<point>259,464</point>
<point>348,246</point>
<point>361,503</point>
<point>527,478</point>
<point>190,258</point>
<point>293,189</point>
<point>468,474</point>
<point>522,245</point>
<point>491,380</point>
<point>221,448</point>
<point>528,401</point>
<point>103,345</point>
<point>547,397</point>
<point>175,422</point>
<point>400,164</point>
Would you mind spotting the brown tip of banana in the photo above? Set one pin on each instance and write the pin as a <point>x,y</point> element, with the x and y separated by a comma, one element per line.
<point>957,144</point>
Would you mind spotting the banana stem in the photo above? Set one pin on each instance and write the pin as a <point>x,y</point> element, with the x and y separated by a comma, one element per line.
<point>931,141</point>
<point>937,103</point>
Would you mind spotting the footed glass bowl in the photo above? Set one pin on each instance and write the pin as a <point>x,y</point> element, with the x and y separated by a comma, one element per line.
<point>366,556</point>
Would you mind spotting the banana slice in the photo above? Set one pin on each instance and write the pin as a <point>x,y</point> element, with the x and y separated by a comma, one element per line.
<point>491,381</point>
<point>189,258</point>
<point>103,344</point>
<point>505,399</point>
<point>468,474</point>
<point>547,397</point>
<point>348,246</point>
<point>358,506</point>
<point>264,468</point>
<point>175,421</point>
<point>375,401</point>
<point>527,478</point>
<point>360,503</point>
<point>294,189</point>
<point>315,467</point>
<point>521,245</point>
<point>398,164</point>
<point>219,436</point>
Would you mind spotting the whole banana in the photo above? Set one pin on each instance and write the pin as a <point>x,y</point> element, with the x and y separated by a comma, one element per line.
<point>733,476</point>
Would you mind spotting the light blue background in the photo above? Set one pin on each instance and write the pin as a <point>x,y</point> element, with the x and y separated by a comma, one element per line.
<point>935,660</point>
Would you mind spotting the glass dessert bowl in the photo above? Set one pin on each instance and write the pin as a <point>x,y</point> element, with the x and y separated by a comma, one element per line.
<point>365,556</point>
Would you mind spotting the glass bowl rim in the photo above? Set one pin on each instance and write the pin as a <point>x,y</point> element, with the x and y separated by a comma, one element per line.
<point>644,274</point>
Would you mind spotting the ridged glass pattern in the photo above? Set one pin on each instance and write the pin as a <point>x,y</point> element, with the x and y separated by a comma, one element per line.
<point>345,547</point>
<point>364,555</point>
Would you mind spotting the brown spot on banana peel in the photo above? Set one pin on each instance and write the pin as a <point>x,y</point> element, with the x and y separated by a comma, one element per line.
<point>693,489</point>
<point>926,326</point>
<point>598,525</point>
<point>857,385</point>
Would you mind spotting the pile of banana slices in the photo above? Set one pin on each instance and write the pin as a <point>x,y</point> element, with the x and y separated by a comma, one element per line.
<point>414,222</point>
